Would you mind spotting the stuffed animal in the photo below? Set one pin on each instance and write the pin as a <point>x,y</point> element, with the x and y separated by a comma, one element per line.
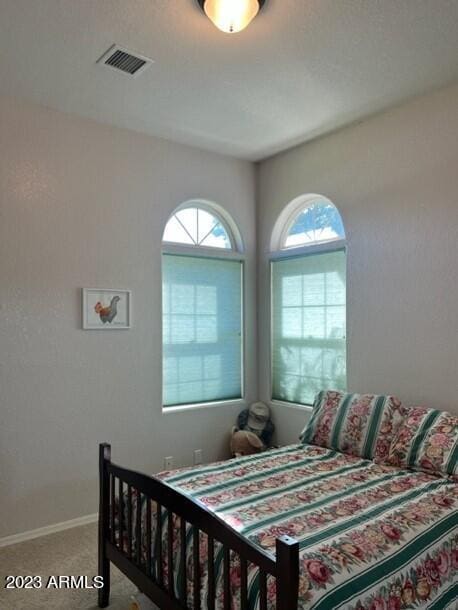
<point>244,442</point>
<point>254,430</point>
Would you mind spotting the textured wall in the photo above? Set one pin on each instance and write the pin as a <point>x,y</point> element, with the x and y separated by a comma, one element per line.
<point>394,178</point>
<point>82,204</point>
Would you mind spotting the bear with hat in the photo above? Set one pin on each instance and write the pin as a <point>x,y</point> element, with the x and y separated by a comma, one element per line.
<point>253,432</point>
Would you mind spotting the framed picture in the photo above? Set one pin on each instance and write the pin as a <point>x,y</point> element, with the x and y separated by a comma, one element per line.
<point>106,309</point>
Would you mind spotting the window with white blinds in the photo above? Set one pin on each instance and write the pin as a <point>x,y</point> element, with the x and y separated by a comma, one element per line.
<point>202,329</point>
<point>308,325</point>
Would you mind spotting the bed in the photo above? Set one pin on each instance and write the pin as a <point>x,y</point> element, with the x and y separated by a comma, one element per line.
<point>303,526</point>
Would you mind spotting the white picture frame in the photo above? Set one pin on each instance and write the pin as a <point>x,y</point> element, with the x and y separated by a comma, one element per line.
<point>106,309</point>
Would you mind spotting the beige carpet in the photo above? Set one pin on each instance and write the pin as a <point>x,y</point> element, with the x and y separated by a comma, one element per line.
<point>71,553</point>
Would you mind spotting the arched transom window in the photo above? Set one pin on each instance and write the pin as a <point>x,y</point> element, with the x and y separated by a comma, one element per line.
<point>197,226</point>
<point>319,222</point>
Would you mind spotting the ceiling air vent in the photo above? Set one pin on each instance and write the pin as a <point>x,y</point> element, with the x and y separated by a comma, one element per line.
<point>126,61</point>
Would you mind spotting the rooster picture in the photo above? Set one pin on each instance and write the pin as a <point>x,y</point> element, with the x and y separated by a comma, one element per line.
<point>109,312</point>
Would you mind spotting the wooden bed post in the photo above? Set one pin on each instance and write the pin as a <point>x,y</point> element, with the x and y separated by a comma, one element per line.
<point>104,512</point>
<point>287,557</point>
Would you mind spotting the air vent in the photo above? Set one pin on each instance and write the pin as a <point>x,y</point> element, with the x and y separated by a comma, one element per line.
<point>125,61</point>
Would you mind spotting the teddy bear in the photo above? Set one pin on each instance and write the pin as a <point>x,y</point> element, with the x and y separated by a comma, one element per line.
<point>253,432</point>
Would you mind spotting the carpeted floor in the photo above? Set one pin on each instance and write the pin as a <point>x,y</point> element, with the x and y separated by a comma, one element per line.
<point>70,553</point>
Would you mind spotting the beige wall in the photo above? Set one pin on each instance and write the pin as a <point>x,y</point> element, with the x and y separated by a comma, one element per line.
<point>394,178</point>
<point>82,204</point>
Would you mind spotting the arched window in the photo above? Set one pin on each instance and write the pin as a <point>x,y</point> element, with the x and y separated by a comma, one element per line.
<point>197,226</point>
<point>319,222</point>
<point>202,307</point>
<point>308,274</point>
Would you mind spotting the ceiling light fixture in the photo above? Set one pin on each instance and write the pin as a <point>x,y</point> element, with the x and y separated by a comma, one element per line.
<point>231,16</point>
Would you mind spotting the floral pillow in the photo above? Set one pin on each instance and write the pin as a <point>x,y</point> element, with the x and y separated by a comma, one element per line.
<point>427,441</point>
<point>359,424</point>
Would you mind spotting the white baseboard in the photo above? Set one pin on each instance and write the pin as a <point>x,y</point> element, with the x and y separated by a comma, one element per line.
<point>47,529</point>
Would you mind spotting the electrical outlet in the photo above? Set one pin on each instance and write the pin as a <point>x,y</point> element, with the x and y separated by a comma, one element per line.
<point>198,456</point>
<point>168,462</point>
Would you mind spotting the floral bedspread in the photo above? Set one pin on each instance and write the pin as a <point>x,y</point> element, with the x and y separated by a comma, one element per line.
<point>372,537</point>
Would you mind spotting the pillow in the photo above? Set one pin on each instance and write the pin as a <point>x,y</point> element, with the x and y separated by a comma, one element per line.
<point>427,441</point>
<point>359,424</point>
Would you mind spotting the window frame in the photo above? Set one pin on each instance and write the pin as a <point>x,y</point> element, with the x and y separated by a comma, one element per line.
<point>196,251</point>
<point>279,252</point>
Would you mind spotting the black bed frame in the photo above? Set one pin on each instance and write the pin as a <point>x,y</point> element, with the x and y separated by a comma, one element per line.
<point>117,489</point>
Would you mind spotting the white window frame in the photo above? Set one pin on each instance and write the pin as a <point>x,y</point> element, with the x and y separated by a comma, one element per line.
<point>279,252</point>
<point>236,253</point>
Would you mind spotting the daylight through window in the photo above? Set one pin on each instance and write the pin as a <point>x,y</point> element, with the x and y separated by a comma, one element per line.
<point>197,227</point>
<point>309,306</point>
<point>202,311</point>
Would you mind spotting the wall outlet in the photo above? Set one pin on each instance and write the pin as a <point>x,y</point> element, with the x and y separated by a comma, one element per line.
<point>168,462</point>
<point>198,456</point>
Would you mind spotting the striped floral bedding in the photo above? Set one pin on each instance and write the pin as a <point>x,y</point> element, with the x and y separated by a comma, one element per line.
<point>372,537</point>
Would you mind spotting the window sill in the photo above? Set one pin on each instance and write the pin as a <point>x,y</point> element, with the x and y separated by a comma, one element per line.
<point>291,405</point>
<point>202,405</point>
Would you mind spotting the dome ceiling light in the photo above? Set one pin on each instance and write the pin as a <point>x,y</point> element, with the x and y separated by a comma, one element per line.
<point>231,16</point>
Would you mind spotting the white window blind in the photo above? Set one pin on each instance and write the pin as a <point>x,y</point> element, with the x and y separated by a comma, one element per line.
<point>202,329</point>
<point>308,326</point>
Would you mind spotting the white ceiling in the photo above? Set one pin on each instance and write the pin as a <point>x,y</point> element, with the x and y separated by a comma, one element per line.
<point>303,67</point>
